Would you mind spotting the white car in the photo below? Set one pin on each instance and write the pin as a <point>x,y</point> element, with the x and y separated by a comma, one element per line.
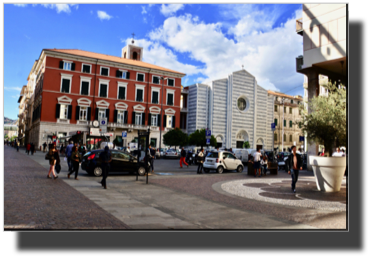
<point>171,153</point>
<point>221,161</point>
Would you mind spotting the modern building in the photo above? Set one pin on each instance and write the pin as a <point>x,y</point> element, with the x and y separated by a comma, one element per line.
<point>236,109</point>
<point>286,118</point>
<point>73,88</point>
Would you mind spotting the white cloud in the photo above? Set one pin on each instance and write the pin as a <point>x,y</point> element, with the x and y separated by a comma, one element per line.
<point>143,10</point>
<point>155,53</point>
<point>21,5</point>
<point>102,15</point>
<point>13,88</point>
<point>61,7</point>
<point>170,9</point>
<point>268,54</point>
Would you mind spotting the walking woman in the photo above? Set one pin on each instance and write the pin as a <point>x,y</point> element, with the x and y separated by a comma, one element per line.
<point>75,157</point>
<point>52,160</point>
<point>200,161</point>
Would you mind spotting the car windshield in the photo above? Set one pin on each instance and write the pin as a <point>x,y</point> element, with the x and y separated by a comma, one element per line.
<point>212,155</point>
<point>86,154</point>
<point>171,151</point>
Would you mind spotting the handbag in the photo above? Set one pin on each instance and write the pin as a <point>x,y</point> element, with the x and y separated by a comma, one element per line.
<point>57,168</point>
<point>47,156</point>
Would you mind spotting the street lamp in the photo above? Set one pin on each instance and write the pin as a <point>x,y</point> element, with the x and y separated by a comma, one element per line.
<point>161,120</point>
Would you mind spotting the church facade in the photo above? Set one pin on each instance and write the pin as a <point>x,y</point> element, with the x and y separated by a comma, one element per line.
<point>236,109</point>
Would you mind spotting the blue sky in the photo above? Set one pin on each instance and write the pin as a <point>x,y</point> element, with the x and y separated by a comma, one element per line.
<point>205,41</point>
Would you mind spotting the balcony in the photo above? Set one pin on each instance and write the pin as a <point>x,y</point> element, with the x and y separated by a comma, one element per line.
<point>299,28</point>
<point>299,63</point>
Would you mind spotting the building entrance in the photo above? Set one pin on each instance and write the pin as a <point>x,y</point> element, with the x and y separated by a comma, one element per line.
<point>259,147</point>
<point>219,144</point>
<point>239,144</point>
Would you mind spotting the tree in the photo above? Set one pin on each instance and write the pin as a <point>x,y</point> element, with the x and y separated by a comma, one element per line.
<point>246,145</point>
<point>324,118</point>
<point>175,138</point>
<point>198,138</point>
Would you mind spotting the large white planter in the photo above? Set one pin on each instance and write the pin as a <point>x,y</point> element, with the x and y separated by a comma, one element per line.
<point>328,172</point>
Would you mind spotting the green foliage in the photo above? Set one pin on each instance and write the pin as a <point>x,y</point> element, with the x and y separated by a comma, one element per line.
<point>198,138</point>
<point>324,118</point>
<point>246,145</point>
<point>175,138</point>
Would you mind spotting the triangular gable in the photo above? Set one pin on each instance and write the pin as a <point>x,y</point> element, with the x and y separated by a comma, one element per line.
<point>64,100</point>
<point>243,71</point>
<point>169,111</point>
<point>138,108</point>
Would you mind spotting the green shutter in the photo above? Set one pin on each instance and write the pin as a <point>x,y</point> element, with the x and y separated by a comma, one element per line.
<point>290,124</point>
<point>284,122</point>
<point>290,110</point>
<point>65,86</point>
<point>85,88</point>
<point>284,138</point>
<point>121,93</point>
<point>275,121</point>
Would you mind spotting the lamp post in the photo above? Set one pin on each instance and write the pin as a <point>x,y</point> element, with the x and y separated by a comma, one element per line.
<point>161,120</point>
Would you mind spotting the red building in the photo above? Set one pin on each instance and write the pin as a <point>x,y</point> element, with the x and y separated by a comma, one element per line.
<point>76,87</point>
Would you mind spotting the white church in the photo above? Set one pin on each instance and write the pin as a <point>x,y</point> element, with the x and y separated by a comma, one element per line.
<point>236,109</point>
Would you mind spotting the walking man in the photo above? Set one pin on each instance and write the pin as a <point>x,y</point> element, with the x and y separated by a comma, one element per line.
<point>200,161</point>
<point>44,145</point>
<point>105,158</point>
<point>294,165</point>
<point>256,164</point>
<point>183,157</point>
<point>32,148</point>
<point>152,157</point>
<point>18,145</point>
<point>68,154</point>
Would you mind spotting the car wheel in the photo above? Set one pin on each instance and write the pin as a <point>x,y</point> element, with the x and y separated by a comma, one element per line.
<point>239,169</point>
<point>220,169</point>
<point>141,171</point>
<point>97,171</point>
<point>206,170</point>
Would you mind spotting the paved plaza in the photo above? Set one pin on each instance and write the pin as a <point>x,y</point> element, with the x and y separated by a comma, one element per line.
<point>175,198</point>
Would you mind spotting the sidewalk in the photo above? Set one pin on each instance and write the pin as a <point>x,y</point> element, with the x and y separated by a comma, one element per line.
<point>31,201</point>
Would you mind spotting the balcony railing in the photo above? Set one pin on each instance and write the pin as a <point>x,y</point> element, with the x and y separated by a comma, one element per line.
<point>299,27</point>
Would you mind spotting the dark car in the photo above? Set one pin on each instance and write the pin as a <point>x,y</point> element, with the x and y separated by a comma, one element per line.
<point>121,162</point>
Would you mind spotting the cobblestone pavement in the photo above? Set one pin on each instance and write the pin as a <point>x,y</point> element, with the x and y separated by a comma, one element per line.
<point>31,201</point>
<point>180,199</point>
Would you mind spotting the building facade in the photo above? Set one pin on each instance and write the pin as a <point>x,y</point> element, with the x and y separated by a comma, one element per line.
<point>236,109</point>
<point>323,27</point>
<point>73,88</point>
<point>286,118</point>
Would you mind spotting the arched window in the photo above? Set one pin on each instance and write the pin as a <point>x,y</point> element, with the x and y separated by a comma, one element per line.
<point>134,55</point>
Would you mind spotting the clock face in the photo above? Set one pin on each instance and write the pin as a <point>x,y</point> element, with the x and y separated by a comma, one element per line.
<point>96,123</point>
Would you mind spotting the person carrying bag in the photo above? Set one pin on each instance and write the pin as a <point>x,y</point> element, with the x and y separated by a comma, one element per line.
<point>200,160</point>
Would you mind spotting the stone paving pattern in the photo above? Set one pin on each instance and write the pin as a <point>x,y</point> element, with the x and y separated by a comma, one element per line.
<point>31,201</point>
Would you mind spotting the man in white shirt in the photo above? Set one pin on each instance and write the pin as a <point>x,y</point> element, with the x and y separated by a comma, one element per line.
<point>256,165</point>
<point>338,153</point>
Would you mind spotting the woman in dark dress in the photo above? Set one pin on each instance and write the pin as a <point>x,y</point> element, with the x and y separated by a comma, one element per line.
<point>75,157</point>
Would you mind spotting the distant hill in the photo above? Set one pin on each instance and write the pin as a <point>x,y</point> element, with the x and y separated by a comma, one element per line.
<point>9,121</point>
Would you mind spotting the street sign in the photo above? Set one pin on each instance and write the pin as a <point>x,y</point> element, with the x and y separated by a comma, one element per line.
<point>207,141</point>
<point>273,126</point>
<point>208,133</point>
<point>302,138</point>
<point>124,134</point>
<point>94,132</point>
<point>103,121</point>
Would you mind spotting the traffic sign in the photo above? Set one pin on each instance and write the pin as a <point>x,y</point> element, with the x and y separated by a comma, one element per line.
<point>103,121</point>
<point>124,134</point>
<point>273,126</point>
<point>207,141</point>
<point>208,133</point>
<point>302,138</point>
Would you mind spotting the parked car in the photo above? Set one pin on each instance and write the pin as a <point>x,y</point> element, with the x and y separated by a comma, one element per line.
<point>121,162</point>
<point>220,161</point>
<point>172,153</point>
<point>242,154</point>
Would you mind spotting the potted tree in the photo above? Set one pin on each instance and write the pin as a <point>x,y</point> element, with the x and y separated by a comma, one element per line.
<point>324,120</point>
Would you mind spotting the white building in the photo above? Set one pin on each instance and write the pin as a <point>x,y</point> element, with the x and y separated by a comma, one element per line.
<point>236,109</point>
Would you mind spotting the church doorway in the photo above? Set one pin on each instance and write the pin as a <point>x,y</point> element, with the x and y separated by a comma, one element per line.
<point>259,147</point>
<point>239,144</point>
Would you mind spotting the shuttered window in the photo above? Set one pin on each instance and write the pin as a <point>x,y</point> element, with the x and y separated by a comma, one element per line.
<point>290,138</point>
<point>170,82</point>
<point>104,71</point>
<point>139,96</point>
<point>284,122</point>
<point>275,108</point>
<point>84,90</point>
<point>121,93</point>
<point>290,110</point>
<point>140,77</point>
<point>86,68</point>
<point>284,137</point>
<point>103,91</point>
<point>275,137</point>
<point>65,86</point>
<point>170,99</point>
<point>275,121</point>
<point>154,97</point>
<point>156,80</point>
<point>290,124</point>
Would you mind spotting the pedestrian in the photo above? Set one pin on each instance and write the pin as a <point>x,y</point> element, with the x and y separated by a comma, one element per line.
<point>68,154</point>
<point>200,160</point>
<point>28,148</point>
<point>128,149</point>
<point>62,149</point>
<point>32,148</point>
<point>52,160</point>
<point>57,160</point>
<point>183,157</point>
<point>256,165</point>
<point>75,158</point>
<point>264,164</point>
<point>44,145</point>
<point>294,165</point>
<point>18,145</point>
<point>338,153</point>
<point>105,158</point>
<point>82,150</point>
<point>152,157</point>
<point>322,153</point>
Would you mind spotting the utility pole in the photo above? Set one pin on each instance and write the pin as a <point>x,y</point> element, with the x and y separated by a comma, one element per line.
<point>283,114</point>
<point>162,116</point>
